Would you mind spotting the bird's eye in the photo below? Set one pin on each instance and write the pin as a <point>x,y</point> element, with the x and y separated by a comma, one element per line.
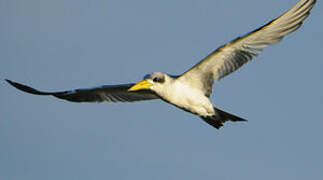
<point>158,80</point>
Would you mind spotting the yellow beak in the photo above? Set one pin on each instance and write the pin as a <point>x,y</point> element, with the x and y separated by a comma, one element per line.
<point>143,85</point>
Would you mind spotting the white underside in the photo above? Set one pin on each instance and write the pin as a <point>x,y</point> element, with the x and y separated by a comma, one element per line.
<point>186,97</point>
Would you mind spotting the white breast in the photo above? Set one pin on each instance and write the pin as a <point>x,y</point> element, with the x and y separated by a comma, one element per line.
<point>187,98</point>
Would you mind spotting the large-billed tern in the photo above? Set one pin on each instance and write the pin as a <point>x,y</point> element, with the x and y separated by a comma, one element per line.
<point>191,90</point>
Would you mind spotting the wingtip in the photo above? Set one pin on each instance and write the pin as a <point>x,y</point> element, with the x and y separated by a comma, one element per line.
<point>11,82</point>
<point>8,81</point>
<point>26,88</point>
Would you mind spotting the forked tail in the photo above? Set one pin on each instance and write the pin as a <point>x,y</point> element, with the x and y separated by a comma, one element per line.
<point>220,118</point>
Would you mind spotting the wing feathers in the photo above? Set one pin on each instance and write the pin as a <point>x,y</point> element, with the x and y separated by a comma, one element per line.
<point>109,93</point>
<point>254,42</point>
<point>238,52</point>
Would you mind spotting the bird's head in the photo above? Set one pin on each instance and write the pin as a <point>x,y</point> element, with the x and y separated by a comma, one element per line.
<point>154,82</point>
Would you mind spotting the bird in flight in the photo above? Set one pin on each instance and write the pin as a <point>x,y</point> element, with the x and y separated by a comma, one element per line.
<point>191,90</point>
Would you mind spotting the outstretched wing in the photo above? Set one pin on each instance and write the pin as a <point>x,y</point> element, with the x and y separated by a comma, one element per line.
<point>109,93</point>
<point>233,55</point>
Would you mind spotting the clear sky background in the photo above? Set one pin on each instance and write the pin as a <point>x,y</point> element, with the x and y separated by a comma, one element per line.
<point>67,44</point>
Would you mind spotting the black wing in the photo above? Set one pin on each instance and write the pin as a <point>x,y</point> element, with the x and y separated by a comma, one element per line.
<point>109,93</point>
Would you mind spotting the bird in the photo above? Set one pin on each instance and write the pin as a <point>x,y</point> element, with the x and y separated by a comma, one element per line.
<point>191,90</point>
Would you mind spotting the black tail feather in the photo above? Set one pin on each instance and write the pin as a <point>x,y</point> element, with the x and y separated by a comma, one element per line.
<point>220,118</point>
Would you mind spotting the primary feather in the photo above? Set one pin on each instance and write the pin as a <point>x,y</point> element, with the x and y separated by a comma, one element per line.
<point>235,54</point>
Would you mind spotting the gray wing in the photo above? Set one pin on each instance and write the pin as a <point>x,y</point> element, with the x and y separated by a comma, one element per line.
<point>233,55</point>
<point>109,93</point>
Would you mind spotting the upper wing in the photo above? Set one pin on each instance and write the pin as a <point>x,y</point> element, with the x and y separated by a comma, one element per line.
<point>110,93</point>
<point>233,55</point>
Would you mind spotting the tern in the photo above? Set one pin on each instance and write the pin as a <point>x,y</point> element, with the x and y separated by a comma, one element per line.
<point>191,90</point>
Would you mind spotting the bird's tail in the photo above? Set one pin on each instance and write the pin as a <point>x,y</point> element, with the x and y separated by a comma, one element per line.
<point>221,117</point>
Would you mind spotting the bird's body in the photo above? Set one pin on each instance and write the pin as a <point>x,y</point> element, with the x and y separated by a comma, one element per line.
<point>183,95</point>
<point>191,90</point>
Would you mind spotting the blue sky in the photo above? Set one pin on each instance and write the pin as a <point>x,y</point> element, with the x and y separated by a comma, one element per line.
<point>67,44</point>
